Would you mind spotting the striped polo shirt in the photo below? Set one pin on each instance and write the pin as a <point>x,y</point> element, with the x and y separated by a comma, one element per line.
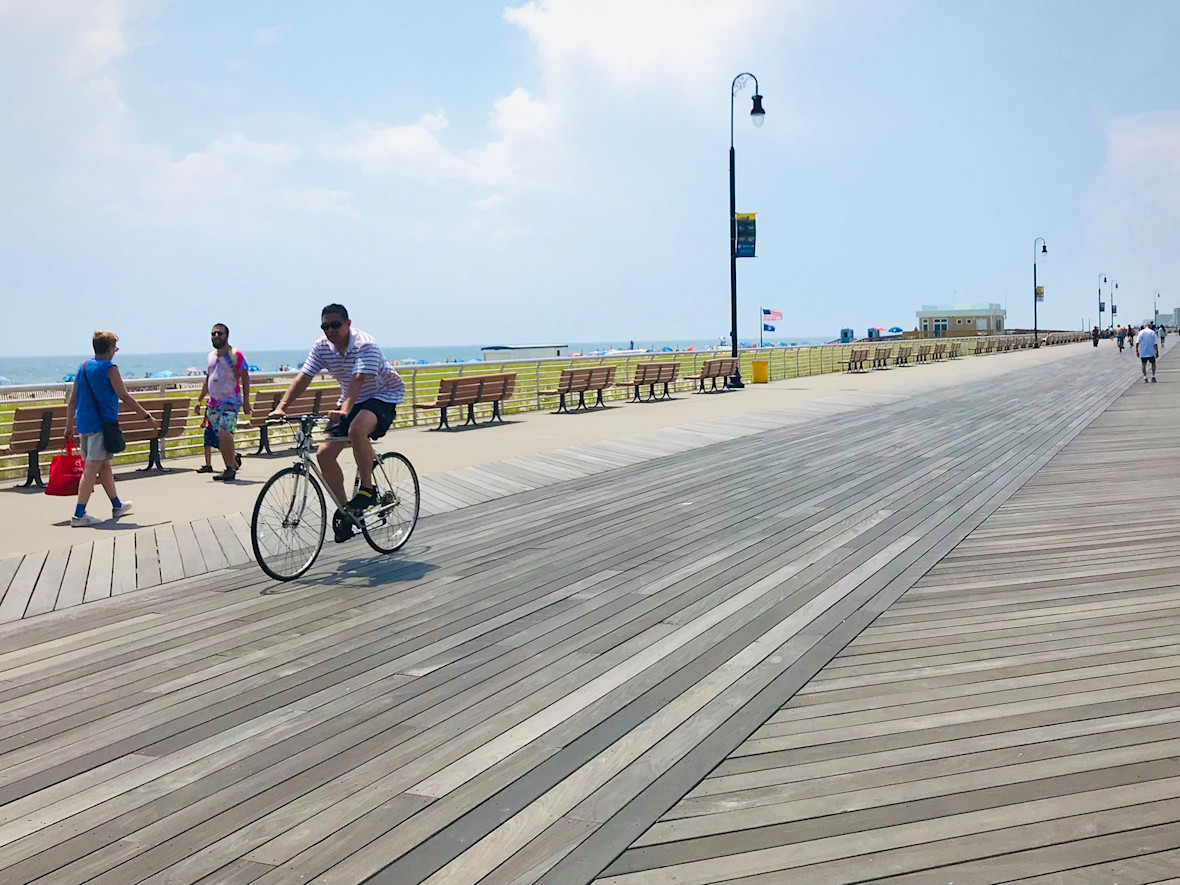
<point>363,357</point>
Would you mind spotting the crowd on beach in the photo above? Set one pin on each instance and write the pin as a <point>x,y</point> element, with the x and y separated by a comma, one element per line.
<point>370,390</point>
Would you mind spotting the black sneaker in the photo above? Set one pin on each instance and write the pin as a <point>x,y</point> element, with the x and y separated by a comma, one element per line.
<point>364,499</point>
<point>206,469</point>
<point>226,475</point>
<point>238,459</point>
<point>341,527</point>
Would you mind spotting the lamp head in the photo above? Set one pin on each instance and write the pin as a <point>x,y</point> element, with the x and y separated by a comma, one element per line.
<point>1044,249</point>
<point>757,114</point>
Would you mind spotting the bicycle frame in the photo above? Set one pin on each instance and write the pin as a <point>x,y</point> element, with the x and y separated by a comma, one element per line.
<point>304,447</point>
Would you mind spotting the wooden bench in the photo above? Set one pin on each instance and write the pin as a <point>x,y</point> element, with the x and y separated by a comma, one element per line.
<point>38,429</point>
<point>582,381</point>
<point>923,353</point>
<point>724,369</point>
<point>171,414</point>
<point>470,391</point>
<point>857,359</point>
<point>881,357</point>
<point>649,375</point>
<point>991,347</point>
<point>956,351</point>
<point>266,401</point>
<point>978,348</point>
<point>939,352</point>
<point>903,355</point>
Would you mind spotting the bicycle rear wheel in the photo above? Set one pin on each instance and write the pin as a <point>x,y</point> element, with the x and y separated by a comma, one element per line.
<point>289,522</point>
<point>388,524</point>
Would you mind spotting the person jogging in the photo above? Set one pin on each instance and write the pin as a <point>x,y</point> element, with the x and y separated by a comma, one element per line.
<point>370,390</point>
<point>1147,345</point>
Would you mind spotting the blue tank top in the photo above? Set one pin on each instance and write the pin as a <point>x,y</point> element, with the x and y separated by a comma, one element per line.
<point>85,417</point>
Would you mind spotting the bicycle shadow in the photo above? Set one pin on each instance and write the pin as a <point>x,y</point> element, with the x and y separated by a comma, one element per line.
<point>365,573</point>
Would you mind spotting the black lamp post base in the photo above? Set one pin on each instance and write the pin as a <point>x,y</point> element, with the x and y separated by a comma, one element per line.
<point>736,382</point>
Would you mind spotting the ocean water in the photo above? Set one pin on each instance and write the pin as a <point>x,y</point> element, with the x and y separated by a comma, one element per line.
<point>50,369</point>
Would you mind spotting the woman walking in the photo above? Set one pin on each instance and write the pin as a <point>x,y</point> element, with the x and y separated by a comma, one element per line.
<point>94,399</point>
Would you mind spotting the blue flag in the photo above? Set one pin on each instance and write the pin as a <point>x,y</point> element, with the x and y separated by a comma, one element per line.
<point>766,327</point>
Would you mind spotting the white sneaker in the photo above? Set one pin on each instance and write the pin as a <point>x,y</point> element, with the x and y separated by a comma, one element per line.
<point>86,519</point>
<point>122,511</point>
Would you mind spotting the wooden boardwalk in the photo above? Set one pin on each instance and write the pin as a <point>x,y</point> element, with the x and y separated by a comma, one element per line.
<point>540,680</point>
<point>1013,717</point>
<point>123,559</point>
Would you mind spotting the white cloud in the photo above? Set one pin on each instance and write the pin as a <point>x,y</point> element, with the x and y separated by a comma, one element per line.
<point>519,155</point>
<point>270,36</point>
<point>678,49</point>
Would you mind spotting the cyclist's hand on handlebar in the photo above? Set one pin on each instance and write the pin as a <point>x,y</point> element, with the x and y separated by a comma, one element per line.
<point>335,416</point>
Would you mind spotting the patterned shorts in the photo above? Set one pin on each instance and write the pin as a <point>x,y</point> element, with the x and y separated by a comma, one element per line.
<point>223,416</point>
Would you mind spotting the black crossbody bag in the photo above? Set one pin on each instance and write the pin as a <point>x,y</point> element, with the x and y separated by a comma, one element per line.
<point>112,435</point>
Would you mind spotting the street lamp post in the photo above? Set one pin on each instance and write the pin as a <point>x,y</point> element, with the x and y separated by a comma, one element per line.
<point>1157,308</point>
<point>1044,249</point>
<point>757,114</point>
<point>1101,280</point>
<point>1114,284</point>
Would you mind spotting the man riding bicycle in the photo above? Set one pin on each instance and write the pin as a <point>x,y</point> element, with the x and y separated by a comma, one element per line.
<point>370,390</point>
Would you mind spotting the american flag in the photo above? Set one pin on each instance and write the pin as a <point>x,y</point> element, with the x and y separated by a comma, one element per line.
<point>768,314</point>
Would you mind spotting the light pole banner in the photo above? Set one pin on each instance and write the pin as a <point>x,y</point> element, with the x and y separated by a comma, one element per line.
<point>746,234</point>
<point>1040,293</point>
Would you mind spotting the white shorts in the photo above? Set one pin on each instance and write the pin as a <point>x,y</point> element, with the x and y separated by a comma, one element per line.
<point>92,448</point>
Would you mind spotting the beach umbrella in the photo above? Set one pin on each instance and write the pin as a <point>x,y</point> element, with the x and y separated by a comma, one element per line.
<point>895,330</point>
<point>69,377</point>
<point>162,374</point>
<point>252,368</point>
<point>691,347</point>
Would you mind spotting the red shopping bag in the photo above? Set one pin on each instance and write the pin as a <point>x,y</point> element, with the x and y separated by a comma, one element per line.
<point>65,472</point>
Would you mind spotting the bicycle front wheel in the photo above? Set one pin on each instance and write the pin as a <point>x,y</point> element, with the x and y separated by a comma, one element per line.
<point>388,524</point>
<point>289,523</point>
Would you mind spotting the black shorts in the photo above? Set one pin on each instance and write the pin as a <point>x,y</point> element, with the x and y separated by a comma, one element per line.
<point>384,411</point>
<point>1148,359</point>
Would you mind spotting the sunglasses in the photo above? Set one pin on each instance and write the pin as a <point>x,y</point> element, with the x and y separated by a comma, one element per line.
<point>334,325</point>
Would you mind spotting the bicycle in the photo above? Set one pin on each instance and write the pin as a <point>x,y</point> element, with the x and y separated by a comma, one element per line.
<point>290,517</point>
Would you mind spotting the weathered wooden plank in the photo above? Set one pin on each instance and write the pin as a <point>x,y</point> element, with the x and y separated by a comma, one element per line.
<point>44,598</point>
<point>147,559</point>
<point>73,582</point>
<point>123,570</point>
<point>168,550</point>
<point>209,546</point>
<point>16,599</point>
<point>102,562</point>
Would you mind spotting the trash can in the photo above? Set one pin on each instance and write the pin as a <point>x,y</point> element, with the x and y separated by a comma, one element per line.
<point>761,371</point>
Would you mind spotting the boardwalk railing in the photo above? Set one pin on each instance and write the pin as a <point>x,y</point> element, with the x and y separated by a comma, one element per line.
<point>532,377</point>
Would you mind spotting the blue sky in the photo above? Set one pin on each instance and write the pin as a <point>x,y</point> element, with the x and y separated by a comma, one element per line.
<point>475,173</point>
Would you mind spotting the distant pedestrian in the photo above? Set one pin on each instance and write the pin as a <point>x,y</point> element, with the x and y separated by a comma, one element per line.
<point>227,382</point>
<point>1094,335</point>
<point>1147,345</point>
<point>94,399</point>
<point>1120,336</point>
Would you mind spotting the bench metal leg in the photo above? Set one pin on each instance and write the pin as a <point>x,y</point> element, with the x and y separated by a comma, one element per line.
<point>470,415</point>
<point>34,474</point>
<point>600,401</point>
<point>582,400</point>
<point>497,414</point>
<point>155,456</point>
<point>561,406</point>
<point>263,441</point>
<point>443,422</point>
